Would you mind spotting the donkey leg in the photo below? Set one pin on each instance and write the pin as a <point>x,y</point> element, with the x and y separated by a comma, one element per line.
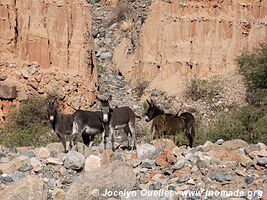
<point>191,136</point>
<point>63,141</point>
<point>112,138</point>
<point>91,141</point>
<point>133,134</point>
<point>128,133</point>
<point>86,139</point>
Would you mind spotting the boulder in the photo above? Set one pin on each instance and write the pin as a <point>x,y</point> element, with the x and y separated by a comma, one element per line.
<point>8,92</point>
<point>92,162</point>
<point>30,187</point>
<point>145,151</point>
<point>42,153</point>
<point>92,185</point>
<point>74,160</point>
<point>234,144</point>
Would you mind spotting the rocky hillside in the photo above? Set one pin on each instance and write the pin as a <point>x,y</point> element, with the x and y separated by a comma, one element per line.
<point>159,170</point>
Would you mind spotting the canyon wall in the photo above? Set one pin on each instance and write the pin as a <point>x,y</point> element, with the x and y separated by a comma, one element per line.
<point>45,46</point>
<point>184,40</point>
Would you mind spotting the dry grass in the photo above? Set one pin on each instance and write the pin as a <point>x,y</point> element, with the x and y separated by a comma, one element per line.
<point>127,25</point>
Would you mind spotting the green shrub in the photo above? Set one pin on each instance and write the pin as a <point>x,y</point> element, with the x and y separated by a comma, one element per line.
<point>247,123</point>
<point>100,69</point>
<point>253,66</point>
<point>203,89</point>
<point>28,125</point>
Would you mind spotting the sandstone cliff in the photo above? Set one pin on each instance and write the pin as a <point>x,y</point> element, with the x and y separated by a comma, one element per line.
<point>184,40</point>
<point>47,45</point>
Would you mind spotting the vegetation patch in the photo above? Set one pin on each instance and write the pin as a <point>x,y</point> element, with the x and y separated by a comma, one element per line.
<point>253,67</point>
<point>203,89</point>
<point>28,125</point>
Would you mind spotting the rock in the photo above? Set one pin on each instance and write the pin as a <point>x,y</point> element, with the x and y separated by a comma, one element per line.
<point>30,187</point>
<point>225,155</point>
<point>262,161</point>
<point>3,77</point>
<point>245,161</point>
<point>24,167</point>
<point>83,149</point>
<point>29,154</point>
<point>114,177</point>
<point>171,187</point>
<point>178,151</point>
<point>248,180</point>
<point>234,144</point>
<point>58,194</point>
<point>228,177</point>
<point>92,163</point>
<point>148,164</point>
<point>136,163</point>
<point>252,147</point>
<point>165,158</point>
<point>17,176</point>
<point>7,168</point>
<point>209,146</point>
<point>74,160</point>
<point>108,156</point>
<point>192,158</point>
<point>13,165</point>
<point>183,178</point>
<point>7,178</point>
<point>42,153</point>
<point>145,151</point>
<point>32,69</point>
<point>201,164</point>
<point>180,164</point>
<point>105,56</point>
<point>155,186</point>
<point>54,161</point>
<point>220,177</point>
<point>55,148</point>
<point>35,162</point>
<point>220,141</point>
<point>8,92</point>
<point>165,144</point>
<point>262,153</point>
<point>240,172</point>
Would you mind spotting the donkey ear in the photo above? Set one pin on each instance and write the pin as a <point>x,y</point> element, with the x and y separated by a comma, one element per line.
<point>110,109</point>
<point>152,102</point>
<point>148,102</point>
<point>109,98</point>
<point>97,98</point>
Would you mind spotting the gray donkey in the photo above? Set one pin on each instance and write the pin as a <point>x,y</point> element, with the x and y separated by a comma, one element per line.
<point>61,123</point>
<point>118,118</point>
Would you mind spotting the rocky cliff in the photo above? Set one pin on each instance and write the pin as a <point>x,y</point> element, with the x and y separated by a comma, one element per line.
<point>185,40</point>
<point>47,45</point>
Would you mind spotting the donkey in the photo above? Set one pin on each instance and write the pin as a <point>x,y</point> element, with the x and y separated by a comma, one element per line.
<point>118,118</point>
<point>61,123</point>
<point>168,124</point>
<point>86,124</point>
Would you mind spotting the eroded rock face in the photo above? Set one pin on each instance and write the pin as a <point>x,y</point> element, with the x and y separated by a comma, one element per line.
<point>180,41</point>
<point>47,46</point>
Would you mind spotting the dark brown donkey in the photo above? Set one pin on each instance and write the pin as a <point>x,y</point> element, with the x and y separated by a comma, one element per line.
<point>168,124</point>
<point>61,123</point>
<point>118,118</point>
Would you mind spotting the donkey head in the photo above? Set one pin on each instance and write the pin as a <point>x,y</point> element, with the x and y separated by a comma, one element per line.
<point>105,108</point>
<point>52,111</point>
<point>152,111</point>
